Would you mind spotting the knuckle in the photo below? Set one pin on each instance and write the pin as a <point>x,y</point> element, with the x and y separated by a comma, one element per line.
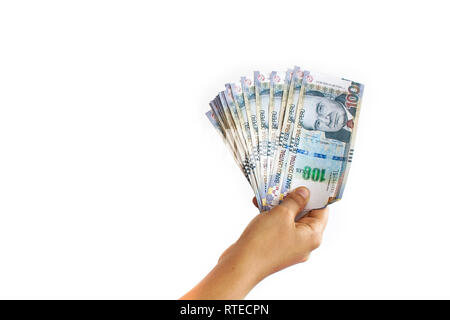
<point>283,210</point>
<point>298,199</point>
<point>304,258</point>
<point>315,239</point>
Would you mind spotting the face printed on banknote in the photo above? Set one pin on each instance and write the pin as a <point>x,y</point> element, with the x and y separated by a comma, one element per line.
<point>327,114</point>
<point>323,114</point>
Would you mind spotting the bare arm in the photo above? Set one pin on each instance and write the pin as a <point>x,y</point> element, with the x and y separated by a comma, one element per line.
<point>271,242</point>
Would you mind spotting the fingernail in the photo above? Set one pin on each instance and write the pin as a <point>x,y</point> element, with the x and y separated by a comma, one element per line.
<point>302,191</point>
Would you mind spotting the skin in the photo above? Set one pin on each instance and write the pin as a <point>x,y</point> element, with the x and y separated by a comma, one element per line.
<point>323,114</point>
<point>271,242</point>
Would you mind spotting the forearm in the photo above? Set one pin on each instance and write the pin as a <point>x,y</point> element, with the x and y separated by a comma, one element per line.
<point>231,278</point>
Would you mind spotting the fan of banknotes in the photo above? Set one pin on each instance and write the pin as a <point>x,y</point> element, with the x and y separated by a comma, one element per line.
<point>290,129</point>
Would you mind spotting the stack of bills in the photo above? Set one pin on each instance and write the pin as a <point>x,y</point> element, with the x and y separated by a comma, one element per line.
<point>290,129</point>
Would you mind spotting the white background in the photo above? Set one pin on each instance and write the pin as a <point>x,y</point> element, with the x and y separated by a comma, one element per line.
<point>113,184</point>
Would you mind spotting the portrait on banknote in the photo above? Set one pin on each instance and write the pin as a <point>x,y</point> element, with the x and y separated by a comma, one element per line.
<point>329,115</point>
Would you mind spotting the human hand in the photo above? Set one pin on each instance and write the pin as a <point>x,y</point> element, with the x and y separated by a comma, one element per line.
<point>272,241</point>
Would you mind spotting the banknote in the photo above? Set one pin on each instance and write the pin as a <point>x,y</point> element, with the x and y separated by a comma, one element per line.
<point>217,119</point>
<point>286,88</point>
<point>230,138</point>
<point>274,190</point>
<point>237,105</point>
<point>322,144</point>
<point>262,97</point>
<point>231,131</point>
<point>278,97</point>
<point>290,129</point>
<point>248,92</point>
<point>240,123</point>
<point>234,92</point>
<point>230,108</point>
<point>216,124</point>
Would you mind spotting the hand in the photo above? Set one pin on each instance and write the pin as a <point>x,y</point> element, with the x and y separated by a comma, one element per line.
<point>274,241</point>
<point>271,242</point>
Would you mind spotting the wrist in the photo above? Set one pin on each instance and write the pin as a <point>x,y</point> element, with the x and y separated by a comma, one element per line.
<point>243,265</point>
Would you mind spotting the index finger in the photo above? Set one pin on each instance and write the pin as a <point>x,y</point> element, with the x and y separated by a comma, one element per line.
<point>315,219</point>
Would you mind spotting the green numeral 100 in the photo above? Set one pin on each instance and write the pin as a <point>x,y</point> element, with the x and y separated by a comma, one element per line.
<point>315,174</point>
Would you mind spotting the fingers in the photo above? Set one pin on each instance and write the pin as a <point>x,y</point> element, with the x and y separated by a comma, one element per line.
<point>295,201</point>
<point>255,202</point>
<point>321,214</point>
<point>316,220</point>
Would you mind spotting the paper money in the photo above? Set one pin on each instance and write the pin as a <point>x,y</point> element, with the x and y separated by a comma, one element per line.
<point>262,97</point>
<point>322,145</point>
<point>290,129</point>
<point>241,128</point>
<point>215,123</point>
<point>248,92</point>
<point>274,191</point>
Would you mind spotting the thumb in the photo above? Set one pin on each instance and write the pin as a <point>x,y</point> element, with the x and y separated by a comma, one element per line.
<point>295,201</point>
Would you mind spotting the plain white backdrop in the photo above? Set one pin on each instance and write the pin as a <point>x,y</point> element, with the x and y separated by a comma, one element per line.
<point>113,184</point>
